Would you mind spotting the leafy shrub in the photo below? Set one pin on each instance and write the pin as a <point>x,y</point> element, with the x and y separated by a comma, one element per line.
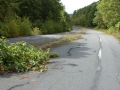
<point>48,27</point>
<point>58,27</point>
<point>117,26</point>
<point>25,27</point>
<point>118,36</point>
<point>21,57</point>
<point>15,27</point>
<point>9,29</point>
<point>111,30</point>
<point>35,31</point>
<point>51,26</point>
<point>3,30</point>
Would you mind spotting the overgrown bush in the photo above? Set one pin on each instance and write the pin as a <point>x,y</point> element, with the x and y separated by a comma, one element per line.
<point>3,29</point>
<point>15,27</point>
<point>25,27</point>
<point>36,31</point>
<point>51,26</point>
<point>111,30</point>
<point>117,26</point>
<point>21,57</point>
<point>48,27</point>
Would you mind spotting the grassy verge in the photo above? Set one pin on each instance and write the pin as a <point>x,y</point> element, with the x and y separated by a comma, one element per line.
<point>83,29</point>
<point>116,34</point>
<point>61,41</point>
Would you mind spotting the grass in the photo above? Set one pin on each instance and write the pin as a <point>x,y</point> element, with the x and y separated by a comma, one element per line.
<point>61,41</point>
<point>83,29</point>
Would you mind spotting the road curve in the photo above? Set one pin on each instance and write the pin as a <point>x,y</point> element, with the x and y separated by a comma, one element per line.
<point>91,63</point>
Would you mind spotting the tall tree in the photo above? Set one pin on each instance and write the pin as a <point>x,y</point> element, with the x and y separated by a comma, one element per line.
<point>110,12</point>
<point>84,16</point>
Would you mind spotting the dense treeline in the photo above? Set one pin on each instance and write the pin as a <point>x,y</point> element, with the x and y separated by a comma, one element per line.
<point>103,14</point>
<point>85,16</point>
<point>108,15</point>
<point>26,17</point>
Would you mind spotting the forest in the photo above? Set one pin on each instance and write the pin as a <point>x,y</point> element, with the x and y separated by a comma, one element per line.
<point>84,16</point>
<point>104,14</point>
<point>32,17</point>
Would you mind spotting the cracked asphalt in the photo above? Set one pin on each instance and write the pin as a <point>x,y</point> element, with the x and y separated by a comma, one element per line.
<point>91,63</point>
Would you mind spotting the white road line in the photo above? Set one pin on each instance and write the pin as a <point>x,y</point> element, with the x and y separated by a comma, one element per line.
<point>100,53</point>
<point>98,68</point>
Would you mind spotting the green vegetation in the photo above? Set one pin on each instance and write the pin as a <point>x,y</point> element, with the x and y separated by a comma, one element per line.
<point>21,57</point>
<point>108,12</point>
<point>21,17</point>
<point>108,16</point>
<point>84,16</point>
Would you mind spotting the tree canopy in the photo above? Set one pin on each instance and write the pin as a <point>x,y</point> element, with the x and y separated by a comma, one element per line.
<point>108,13</point>
<point>41,14</point>
<point>85,16</point>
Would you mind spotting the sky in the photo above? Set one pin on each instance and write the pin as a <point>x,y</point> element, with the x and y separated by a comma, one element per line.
<point>71,5</point>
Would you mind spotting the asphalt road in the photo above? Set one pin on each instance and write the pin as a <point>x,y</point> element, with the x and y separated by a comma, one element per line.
<point>91,63</point>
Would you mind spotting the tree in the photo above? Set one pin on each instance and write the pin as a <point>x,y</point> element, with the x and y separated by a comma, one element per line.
<point>110,11</point>
<point>98,20</point>
<point>85,16</point>
<point>41,13</point>
<point>6,8</point>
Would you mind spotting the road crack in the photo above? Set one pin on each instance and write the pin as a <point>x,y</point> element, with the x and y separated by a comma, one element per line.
<point>20,85</point>
<point>69,54</point>
<point>99,67</point>
<point>117,76</point>
<point>69,51</point>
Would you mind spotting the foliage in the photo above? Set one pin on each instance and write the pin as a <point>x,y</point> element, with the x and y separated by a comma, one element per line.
<point>21,57</point>
<point>85,16</point>
<point>117,26</point>
<point>48,15</point>
<point>15,27</point>
<point>108,14</point>
<point>38,13</point>
<point>51,26</point>
<point>99,21</point>
<point>48,27</point>
<point>111,30</point>
<point>25,27</point>
<point>40,9</point>
<point>36,31</point>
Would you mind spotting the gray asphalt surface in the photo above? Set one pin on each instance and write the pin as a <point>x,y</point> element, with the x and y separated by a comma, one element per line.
<point>91,63</point>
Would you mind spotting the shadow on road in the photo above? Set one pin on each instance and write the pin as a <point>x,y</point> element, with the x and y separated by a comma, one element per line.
<point>74,50</point>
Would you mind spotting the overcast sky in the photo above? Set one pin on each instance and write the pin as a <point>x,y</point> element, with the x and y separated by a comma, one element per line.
<point>71,5</point>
